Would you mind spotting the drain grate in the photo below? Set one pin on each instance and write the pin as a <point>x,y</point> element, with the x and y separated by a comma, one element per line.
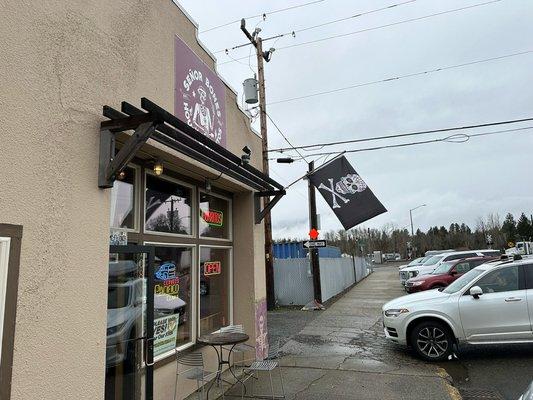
<point>480,394</point>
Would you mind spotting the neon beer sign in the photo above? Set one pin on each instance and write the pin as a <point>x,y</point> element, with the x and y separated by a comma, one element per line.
<point>212,268</point>
<point>213,217</point>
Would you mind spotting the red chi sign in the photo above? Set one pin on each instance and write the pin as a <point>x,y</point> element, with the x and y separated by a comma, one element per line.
<point>212,268</point>
<point>212,217</point>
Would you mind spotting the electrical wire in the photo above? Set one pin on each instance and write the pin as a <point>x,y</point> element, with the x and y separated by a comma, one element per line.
<point>284,137</point>
<point>457,138</point>
<point>377,27</point>
<point>318,146</point>
<point>294,32</point>
<point>263,15</point>
<point>399,77</point>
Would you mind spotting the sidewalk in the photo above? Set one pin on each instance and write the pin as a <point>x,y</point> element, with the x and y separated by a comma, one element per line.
<point>342,353</point>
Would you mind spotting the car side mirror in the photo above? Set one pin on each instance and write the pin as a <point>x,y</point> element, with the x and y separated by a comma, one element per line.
<point>475,292</point>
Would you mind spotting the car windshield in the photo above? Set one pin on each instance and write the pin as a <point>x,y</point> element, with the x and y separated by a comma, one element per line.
<point>433,260</point>
<point>463,281</point>
<point>118,296</point>
<point>416,261</point>
<point>443,268</point>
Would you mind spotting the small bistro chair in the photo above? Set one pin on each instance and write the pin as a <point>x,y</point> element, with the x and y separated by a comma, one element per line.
<point>270,363</point>
<point>194,370</point>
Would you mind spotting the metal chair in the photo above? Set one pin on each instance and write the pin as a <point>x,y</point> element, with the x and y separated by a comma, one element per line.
<point>268,365</point>
<point>195,371</point>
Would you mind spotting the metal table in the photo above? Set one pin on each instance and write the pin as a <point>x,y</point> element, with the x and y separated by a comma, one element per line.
<point>219,340</point>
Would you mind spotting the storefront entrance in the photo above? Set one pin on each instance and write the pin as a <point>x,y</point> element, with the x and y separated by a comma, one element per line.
<point>130,323</point>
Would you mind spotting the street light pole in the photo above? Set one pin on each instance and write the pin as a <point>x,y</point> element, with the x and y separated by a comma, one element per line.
<point>411,217</point>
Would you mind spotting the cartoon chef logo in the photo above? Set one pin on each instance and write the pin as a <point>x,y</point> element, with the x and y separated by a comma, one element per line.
<point>201,105</point>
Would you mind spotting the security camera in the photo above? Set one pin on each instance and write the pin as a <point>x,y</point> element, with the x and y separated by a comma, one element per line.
<point>245,158</point>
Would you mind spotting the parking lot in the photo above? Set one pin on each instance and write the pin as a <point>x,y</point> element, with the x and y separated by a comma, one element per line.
<point>346,343</point>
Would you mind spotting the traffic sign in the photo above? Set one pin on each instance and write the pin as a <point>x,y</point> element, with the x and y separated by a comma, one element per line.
<point>313,244</point>
<point>313,234</point>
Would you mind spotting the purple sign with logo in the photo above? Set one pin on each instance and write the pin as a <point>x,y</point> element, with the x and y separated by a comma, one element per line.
<point>199,93</point>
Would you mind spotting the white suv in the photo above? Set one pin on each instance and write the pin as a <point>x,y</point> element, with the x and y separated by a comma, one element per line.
<point>433,263</point>
<point>492,303</point>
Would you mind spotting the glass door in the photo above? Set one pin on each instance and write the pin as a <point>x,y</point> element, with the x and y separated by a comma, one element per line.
<point>130,323</point>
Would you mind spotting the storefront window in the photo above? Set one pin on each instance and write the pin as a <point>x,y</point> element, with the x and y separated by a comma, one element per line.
<point>168,206</point>
<point>214,288</point>
<point>123,200</point>
<point>214,217</point>
<point>172,297</point>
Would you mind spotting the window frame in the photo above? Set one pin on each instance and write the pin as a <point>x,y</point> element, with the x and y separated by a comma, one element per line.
<point>194,206</point>
<point>230,280</point>
<point>230,219</point>
<point>521,279</point>
<point>194,299</point>
<point>5,247</point>
<point>15,235</point>
<point>528,282</point>
<point>136,200</point>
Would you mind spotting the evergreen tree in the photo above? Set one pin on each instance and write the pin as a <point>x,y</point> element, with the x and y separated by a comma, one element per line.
<point>509,228</point>
<point>523,227</point>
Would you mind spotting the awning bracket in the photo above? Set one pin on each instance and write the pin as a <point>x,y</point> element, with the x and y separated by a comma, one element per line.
<point>110,164</point>
<point>270,203</point>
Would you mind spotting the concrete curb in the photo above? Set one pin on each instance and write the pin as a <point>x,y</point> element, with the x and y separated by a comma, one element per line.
<point>453,392</point>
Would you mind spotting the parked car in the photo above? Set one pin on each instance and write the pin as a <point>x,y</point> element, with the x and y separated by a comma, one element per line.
<point>430,253</point>
<point>444,274</point>
<point>407,272</point>
<point>528,394</point>
<point>490,304</point>
<point>416,261</point>
<point>430,265</point>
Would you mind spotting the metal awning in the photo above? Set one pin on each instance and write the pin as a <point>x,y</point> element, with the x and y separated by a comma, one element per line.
<point>153,122</point>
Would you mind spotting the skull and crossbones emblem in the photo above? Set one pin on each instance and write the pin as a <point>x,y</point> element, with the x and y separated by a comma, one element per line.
<point>349,184</point>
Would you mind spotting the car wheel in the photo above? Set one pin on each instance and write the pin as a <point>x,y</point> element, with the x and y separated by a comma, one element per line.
<point>432,341</point>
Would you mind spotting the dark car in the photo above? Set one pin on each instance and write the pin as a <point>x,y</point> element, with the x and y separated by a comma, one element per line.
<point>444,274</point>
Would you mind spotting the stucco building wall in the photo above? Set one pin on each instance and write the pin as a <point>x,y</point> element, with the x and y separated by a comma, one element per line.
<point>61,62</point>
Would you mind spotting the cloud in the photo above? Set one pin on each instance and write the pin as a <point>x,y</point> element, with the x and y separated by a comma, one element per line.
<point>458,182</point>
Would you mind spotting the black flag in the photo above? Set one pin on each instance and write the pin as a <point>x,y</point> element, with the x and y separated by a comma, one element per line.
<point>346,193</point>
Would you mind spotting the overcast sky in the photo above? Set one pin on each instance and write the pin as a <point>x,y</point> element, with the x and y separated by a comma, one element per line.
<point>458,182</point>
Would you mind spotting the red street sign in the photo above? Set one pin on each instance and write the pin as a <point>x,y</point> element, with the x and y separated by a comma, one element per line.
<point>313,234</point>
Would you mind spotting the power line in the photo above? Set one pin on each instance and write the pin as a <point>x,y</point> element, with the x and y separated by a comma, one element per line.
<point>399,135</point>
<point>264,14</point>
<point>285,137</point>
<point>399,77</point>
<point>457,138</point>
<point>294,32</point>
<point>377,27</point>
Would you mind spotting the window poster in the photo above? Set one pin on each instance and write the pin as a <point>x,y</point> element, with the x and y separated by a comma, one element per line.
<point>165,334</point>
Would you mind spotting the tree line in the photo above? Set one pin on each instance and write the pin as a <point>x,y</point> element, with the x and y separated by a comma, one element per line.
<point>458,236</point>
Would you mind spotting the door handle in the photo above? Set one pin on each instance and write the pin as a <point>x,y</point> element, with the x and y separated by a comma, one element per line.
<point>511,299</point>
<point>149,347</point>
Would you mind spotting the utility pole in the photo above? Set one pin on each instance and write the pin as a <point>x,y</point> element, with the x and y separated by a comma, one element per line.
<point>313,252</point>
<point>257,42</point>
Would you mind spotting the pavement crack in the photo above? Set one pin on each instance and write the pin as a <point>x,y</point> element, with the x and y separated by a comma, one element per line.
<point>308,386</point>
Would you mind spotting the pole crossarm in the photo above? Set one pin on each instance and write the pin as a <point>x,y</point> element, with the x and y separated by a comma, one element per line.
<point>153,122</point>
